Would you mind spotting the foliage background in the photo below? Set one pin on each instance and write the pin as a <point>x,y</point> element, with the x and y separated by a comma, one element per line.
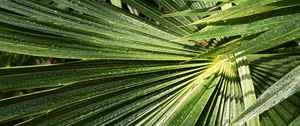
<point>158,62</point>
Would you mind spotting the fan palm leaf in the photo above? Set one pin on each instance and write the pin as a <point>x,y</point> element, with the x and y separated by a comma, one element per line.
<point>168,62</point>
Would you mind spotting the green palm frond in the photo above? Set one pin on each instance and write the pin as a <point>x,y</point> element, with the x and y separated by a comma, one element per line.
<point>150,62</point>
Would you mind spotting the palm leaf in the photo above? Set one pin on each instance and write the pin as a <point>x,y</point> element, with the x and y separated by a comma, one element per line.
<point>142,68</point>
<point>73,30</point>
<point>282,89</point>
<point>248,9</point>
<point>240,29</point>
